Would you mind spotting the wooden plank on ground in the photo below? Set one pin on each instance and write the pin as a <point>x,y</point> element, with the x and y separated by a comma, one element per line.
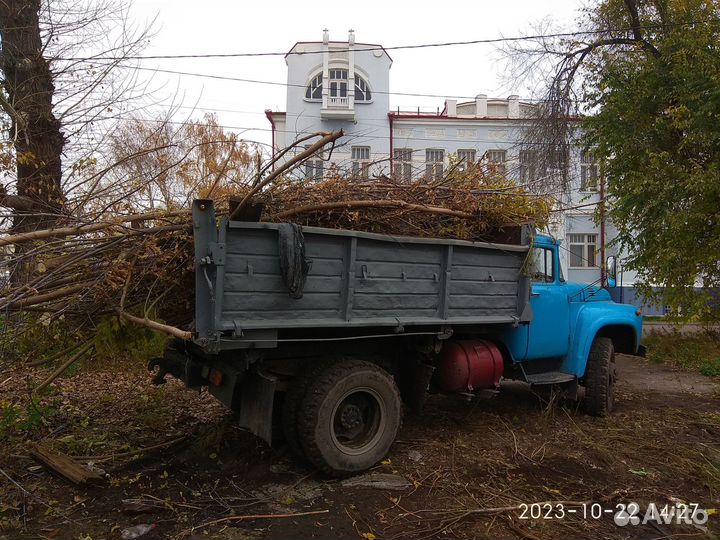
<point>65,466</point>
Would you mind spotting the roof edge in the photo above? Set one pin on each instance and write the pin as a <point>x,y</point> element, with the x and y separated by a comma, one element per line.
<point>373,46</point>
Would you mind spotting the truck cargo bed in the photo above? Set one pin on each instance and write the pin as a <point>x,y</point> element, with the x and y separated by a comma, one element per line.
<point>355,280</point>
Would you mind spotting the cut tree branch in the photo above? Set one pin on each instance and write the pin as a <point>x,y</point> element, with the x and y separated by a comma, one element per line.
<point>327,138</point>
<point>59,371</point>
<point>382,203</point>
<point>52,295</point>
<point>154,325</point>
<point>84,229</point>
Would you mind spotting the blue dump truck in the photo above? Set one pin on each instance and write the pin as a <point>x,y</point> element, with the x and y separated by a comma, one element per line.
<point>327,335</point>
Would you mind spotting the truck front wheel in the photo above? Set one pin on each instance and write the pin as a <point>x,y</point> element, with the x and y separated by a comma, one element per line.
<point>600,377</point>
<point>349,417</point>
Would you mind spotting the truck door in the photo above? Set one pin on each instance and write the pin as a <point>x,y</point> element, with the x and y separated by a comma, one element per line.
<point>549,333</point>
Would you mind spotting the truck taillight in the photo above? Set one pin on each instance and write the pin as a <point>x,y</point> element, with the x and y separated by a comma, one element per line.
<point>215,377</point>
<point>638,312</point>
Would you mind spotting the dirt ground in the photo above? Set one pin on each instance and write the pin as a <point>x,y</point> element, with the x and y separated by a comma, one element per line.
<point>468,466</point>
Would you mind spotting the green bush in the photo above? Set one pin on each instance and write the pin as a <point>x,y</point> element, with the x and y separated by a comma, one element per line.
<point>711,368</point>
<point>116,338</point>
<point>699,352</point>
<point>41,337</point>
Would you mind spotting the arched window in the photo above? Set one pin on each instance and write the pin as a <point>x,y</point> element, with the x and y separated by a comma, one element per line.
<point>338,86</point>
<point>362,90</point>
<point>314,89</point>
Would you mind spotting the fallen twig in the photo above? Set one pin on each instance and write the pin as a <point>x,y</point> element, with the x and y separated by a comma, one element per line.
<point>108,457</point>
<point>249,517</point>
<point>54,357</point>
<point>23,490</point>
<point>59,371</point>
<point>451,517</point>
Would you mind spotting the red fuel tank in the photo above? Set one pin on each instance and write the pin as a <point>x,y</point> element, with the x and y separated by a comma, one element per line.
<point>467,365</point>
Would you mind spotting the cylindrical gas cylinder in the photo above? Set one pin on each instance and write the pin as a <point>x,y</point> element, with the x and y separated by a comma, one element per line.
<point>465,366</point>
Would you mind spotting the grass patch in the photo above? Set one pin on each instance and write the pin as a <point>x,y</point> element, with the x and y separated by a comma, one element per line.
<point>698,352</point>
<point>20,421</point>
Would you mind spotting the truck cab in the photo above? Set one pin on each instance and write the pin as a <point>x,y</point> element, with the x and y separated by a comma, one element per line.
<point>568,320</point>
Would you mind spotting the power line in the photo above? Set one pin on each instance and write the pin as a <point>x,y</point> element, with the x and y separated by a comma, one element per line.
<point>390,48</point>
<point>500,145</point>
<point>276,83</point>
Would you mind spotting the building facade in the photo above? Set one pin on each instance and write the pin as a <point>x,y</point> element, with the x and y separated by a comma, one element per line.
<point>346,85</point>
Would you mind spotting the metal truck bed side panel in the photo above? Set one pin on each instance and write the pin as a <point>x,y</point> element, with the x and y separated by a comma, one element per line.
<point>355,279</point>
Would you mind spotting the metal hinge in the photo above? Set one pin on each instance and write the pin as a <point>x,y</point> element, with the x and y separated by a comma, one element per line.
<point>217,253</point>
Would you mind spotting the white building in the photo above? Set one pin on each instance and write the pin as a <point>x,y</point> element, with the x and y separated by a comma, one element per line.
<point>346,85</point>
<point>337,85</point>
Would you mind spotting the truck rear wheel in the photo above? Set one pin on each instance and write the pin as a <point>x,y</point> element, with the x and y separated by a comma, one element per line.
<point>349,417</point>
<point>600,377</point>
<point>293,401</point>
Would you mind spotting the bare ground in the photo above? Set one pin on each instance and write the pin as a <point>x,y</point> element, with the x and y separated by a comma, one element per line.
<point>470,464</point>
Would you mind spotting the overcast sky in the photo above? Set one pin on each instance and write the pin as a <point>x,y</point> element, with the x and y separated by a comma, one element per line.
<point>235,26</point>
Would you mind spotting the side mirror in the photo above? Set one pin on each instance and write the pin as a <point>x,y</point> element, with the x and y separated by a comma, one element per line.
<point>611,270</point>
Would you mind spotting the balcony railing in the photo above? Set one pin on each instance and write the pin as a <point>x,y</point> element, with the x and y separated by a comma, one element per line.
<point>338,107</point>
<point>339,102</point>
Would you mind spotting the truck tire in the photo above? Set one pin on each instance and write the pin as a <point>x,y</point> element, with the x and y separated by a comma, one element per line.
<point>349,417</point>
<point>600,377</point>
<point>293,401</point>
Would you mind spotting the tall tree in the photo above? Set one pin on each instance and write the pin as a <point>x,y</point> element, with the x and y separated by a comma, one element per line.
<point>61,83</point>
<point>646,75</point>
<point>27,98</point>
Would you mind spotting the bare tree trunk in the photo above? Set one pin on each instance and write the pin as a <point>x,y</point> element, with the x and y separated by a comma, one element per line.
<point>29,87</point>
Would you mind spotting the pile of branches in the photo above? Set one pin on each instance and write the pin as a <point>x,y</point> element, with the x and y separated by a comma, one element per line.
<point>139,268</point>
<point>467,204</point>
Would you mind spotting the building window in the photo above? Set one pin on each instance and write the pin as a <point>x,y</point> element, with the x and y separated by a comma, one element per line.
<point>588,172</point>
<point>558,158</point>
<point>402,164</point>
<point>314,89</point>
<point>360,161</point>
<point>338,86</point>
<point>528,165</point>
<point>583,250</point>
<point>314,166</point>
<point>434,160</point>
<point>466,158</point>
<point>362,90</point>
<point>498,157</point>
<point>338,82</point>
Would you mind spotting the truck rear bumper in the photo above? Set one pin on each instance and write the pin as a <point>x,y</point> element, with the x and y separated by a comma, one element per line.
<point>249,393</point>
